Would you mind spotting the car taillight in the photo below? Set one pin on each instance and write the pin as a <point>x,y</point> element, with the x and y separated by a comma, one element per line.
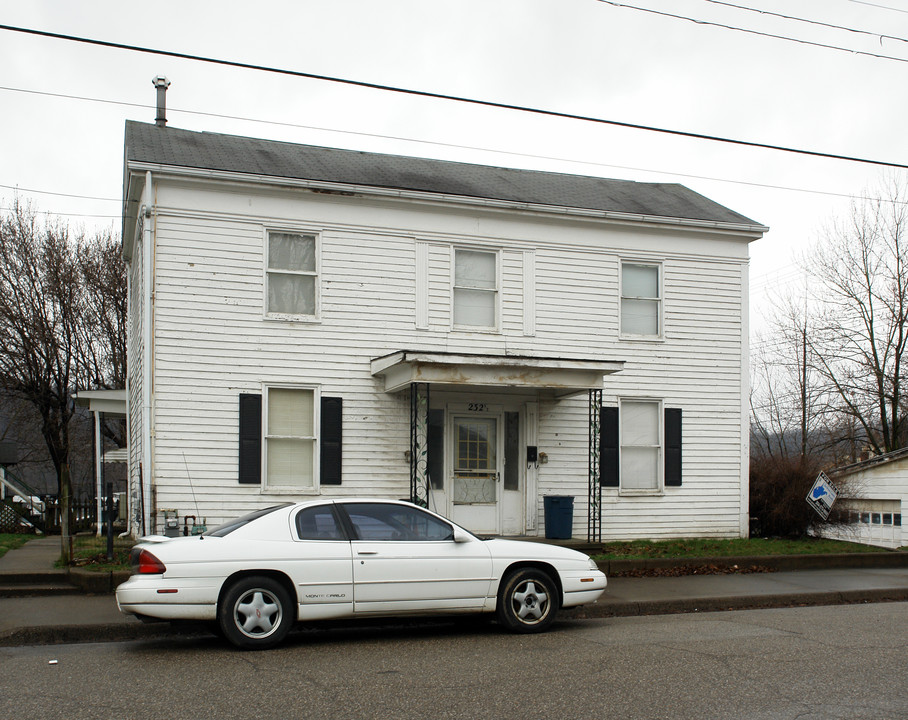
<point>148,564</point>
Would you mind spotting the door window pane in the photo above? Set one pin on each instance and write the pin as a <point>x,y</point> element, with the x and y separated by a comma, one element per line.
<point>475,444</point>
<point>475,460</point>
<point>512,457</point>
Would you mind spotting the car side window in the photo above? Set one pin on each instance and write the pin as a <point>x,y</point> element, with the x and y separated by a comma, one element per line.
<point>318,523</point>
<point>381,521</point>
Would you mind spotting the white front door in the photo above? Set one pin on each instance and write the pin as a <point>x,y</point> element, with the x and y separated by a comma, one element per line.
<point>475,479</point>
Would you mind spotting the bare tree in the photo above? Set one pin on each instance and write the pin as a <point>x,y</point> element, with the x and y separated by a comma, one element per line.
<point>859,320</point>
<point>58,327</point>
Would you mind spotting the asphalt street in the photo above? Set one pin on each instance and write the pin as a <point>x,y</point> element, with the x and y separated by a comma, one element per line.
<point>805,663</point>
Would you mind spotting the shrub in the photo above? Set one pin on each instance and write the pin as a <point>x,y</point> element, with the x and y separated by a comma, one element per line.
<point>778,492</point>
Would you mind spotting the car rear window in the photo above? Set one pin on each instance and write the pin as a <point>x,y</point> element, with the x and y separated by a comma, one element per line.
<point>318,523</point>
<point>231,525</point>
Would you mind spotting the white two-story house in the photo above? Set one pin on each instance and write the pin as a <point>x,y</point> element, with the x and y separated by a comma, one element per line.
<point>307,321</point>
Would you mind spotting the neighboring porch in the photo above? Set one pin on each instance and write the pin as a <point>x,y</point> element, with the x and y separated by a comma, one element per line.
<point>474,453</point>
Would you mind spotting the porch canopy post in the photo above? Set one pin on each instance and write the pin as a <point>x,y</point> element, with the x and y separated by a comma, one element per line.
<point>594,506</point>
<point>419,443</point>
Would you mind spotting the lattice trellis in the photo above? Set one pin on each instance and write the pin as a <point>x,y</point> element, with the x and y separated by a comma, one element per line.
<point>594,512</point>
<point>419,443</point>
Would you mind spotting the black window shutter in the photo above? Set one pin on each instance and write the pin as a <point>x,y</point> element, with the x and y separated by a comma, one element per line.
<point>331,440</point>
<point>250,451</point>
<point>672,447</point>
<point>608,447</point>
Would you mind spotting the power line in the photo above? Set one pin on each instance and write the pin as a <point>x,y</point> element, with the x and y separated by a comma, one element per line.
<point>805,20</point>
<point>50,212</point>
<point>456,98</point>
<point>883,7</point>
<point>59,194</point>
<point>753,32</point>
<point>434,143</point>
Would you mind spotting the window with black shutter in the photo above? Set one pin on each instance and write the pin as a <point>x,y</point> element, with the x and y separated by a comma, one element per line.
<point>250,451</point>
<point>672,447</point>
<point>608,447</point>
<point>610,443</point>
<point>331,441</point>
<point>250,440</point>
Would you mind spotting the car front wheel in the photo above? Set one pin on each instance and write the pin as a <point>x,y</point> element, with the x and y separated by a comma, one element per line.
<point>256,613</point>
<point>528,601</point>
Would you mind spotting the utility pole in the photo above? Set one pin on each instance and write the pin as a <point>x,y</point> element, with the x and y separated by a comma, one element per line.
<point>804,392</point>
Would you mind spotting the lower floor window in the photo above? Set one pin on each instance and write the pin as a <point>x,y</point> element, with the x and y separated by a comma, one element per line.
<point>290,438</point>
<point>641,444</point>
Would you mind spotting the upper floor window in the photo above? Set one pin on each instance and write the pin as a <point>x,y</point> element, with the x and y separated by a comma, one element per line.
<point>475,289</point>
<point>641,299</point>
<point>291,276</point>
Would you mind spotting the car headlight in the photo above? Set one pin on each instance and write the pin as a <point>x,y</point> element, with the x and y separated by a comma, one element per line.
<point>593,564</point>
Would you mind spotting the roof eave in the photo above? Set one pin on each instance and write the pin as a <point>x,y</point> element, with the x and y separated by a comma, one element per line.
<point>752,230</point>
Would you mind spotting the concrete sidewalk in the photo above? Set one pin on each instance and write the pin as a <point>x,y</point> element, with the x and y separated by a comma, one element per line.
<point>68,615</point>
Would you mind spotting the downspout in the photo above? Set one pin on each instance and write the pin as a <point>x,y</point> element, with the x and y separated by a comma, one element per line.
<point>99,489</point>
<point>147,351</point>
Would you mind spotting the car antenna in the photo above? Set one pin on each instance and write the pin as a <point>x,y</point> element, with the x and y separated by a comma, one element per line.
<point>192,489</point>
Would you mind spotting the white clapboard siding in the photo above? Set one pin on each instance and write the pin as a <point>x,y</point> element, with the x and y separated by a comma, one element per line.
<point>212,342</point>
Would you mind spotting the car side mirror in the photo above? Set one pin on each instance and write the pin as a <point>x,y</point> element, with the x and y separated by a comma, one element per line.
<point>460,536</point>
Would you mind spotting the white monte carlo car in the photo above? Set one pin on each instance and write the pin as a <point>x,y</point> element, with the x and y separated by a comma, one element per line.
<point>257,575</point>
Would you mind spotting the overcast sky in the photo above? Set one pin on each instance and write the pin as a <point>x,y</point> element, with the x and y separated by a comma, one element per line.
<point>584,57</point>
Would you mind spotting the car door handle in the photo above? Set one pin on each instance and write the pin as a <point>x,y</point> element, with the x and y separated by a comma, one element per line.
<point>367,552</point>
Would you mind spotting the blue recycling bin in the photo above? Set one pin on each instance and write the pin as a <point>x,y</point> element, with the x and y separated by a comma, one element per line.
<point>559,516</point>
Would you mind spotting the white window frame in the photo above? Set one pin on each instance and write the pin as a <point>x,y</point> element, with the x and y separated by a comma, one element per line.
<point>660,447</point>
<point>266,271</point>
<point>660,313</point>
<point>496,252</point>
<point>269,489</point>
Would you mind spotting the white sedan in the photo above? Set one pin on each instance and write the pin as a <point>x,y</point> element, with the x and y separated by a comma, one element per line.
<point>257,575</point>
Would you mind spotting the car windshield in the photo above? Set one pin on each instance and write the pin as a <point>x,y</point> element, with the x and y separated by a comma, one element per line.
<point>231,525</point>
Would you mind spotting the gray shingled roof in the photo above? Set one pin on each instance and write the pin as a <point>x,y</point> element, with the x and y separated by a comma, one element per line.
<point>148,143</point>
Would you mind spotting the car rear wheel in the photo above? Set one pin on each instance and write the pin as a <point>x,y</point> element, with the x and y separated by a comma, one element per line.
<point>256,613</point>
<point>528,601</point>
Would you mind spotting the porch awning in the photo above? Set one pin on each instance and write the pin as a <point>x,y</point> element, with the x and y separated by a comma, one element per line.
<point>559,376</point>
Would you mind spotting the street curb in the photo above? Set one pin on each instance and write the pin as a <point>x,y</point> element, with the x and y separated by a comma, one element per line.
<point>97,633</point>
<point>751,602</point>
<point>97,583</point>
<point>771,562</point>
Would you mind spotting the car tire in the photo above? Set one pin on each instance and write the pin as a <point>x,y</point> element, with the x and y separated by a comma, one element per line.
<point>528,600</point>
<point>256,613</point>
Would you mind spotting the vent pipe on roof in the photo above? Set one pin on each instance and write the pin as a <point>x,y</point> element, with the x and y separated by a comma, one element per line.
<point>161,83</point>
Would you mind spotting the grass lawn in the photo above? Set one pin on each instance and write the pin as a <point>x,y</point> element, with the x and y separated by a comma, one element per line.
<point>90,553</point>
<point>10,541</point>
<point>727,548</point>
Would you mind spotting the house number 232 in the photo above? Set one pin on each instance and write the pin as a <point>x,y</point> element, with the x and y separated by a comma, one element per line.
<point>477,407</point>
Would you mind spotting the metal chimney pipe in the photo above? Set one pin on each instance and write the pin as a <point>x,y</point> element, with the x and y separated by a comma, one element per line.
<point>161,83</point>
